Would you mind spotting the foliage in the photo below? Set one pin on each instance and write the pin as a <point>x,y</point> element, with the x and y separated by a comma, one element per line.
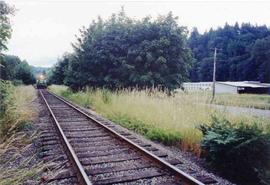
<point>5,91</point>
<point>14,109</point>
<point>58,72</point>
<point>12,68</point>
<point>151,132</point>
<point>244,53</point>
<point>261,58</point>
<point>19,162</point>
<point>24,73</point>
<point>5,26</point>
<point>122,52</point>
<point>240,151</point>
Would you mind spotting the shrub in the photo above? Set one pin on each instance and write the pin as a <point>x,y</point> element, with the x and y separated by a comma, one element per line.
<point>239,151</point>
<point>5,91</point>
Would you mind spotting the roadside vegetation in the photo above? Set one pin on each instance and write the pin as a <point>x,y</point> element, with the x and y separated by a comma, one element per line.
<point>168,119</point>
<point>17,163</point>
<point>238,150</point>
<point>14,112</point>
<point>18,158</point>
<point>229,143</point>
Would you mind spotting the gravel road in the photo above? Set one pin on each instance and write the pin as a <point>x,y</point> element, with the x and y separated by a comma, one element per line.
<point>244,110</point>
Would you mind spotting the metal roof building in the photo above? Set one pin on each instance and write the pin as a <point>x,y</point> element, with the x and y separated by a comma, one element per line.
<point>254,87</point>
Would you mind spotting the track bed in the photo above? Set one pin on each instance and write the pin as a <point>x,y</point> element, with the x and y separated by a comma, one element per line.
<point>95,152</point>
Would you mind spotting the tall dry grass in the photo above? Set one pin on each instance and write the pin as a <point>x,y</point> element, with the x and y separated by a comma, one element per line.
<point>17,109</point>
<point>15,166</point>
<point>169,119</point>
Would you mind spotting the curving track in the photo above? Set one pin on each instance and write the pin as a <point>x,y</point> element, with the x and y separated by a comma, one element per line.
<point>96,153</point>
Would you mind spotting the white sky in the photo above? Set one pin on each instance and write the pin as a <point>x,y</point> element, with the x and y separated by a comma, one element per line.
<point>44,29</point>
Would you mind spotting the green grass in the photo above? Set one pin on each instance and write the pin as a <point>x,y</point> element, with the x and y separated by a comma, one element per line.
<point>244,100</point>
<point>239,100</point>
<point>167,119</point>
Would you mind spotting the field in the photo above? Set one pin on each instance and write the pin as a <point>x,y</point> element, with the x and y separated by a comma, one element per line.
<point>168,119</point>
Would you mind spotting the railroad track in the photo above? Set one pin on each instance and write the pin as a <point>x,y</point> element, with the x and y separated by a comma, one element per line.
<point>97,153</point>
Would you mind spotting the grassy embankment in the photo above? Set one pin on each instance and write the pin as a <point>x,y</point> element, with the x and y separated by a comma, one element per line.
<point>15,118</point>
<point>170,120</point>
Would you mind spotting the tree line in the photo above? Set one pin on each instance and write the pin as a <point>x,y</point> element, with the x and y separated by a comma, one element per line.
<point>244,53</point>
<point>11,67</point>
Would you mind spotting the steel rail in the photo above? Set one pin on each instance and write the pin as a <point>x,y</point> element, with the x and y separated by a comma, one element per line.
<point>179,173</point>
<point>81,174</point>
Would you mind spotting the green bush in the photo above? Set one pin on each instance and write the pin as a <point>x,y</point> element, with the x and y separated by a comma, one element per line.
<point>5,89</point>
<point>239,151</point>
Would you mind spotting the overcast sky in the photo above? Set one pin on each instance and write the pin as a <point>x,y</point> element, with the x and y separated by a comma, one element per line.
<point>44,29</point>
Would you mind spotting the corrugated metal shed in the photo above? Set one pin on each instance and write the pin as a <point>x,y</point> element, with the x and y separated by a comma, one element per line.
<point>252,84</point>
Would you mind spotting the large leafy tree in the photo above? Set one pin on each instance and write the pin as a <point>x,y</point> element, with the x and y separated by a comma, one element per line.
<point>24,73</point>
<point>11,67</point>
<point>122,52</point>
<point>5,27</point>
<point>57,75</point>
<point>15,69</point>
<point>8,67</point>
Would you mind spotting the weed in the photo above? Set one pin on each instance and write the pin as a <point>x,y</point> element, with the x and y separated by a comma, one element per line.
<point>106,96</point>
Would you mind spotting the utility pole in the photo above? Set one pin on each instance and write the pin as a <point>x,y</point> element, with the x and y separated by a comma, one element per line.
<point>214,75</point>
